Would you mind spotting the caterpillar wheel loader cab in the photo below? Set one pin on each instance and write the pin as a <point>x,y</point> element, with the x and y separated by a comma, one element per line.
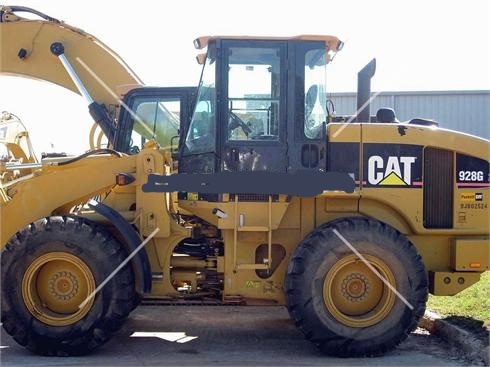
<point>86,238</point>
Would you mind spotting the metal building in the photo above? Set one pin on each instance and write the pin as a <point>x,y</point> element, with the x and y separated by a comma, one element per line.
<point>467,111</point>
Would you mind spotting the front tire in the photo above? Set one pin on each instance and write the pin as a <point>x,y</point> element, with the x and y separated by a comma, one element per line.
<point>340,303</point>
<point>48,272</point>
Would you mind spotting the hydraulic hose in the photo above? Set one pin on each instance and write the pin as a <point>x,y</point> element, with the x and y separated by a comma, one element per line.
<point>91,152</point>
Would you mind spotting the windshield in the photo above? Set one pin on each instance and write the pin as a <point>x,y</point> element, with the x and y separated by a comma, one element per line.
<point>201,135</point>
<point>155,119</point>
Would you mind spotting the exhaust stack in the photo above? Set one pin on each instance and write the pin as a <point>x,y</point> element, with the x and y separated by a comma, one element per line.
<point>364,91</point>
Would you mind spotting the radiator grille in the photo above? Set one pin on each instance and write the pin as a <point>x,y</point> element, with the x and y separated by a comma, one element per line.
<point>438,188</point>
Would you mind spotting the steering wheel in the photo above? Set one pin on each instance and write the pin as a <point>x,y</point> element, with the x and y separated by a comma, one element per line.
<point>238,122</point>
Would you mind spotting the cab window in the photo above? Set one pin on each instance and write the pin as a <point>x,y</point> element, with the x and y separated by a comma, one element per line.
<point>253,93</point>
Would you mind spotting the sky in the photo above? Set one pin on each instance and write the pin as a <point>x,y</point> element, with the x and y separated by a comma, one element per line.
<point>418,45</point>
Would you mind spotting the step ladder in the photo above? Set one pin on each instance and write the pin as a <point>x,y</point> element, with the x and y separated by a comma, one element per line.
<point>239,227</point>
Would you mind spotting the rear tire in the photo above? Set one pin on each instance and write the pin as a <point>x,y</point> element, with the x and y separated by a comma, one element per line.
<point>340,304</point>
<point>48,271</point>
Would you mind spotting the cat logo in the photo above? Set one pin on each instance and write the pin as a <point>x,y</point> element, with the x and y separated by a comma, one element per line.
<point>468,196</point>
<point>395,171</point>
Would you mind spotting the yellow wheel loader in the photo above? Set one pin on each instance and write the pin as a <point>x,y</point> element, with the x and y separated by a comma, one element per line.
<point>16,150</point>
<point>244,190</point>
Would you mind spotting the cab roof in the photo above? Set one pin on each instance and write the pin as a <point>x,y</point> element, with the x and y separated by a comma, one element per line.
<point>332,42</point>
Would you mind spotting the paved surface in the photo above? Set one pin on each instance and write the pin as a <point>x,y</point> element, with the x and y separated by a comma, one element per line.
<point>224,336</point>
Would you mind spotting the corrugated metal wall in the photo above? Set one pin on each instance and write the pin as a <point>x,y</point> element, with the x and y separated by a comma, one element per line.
<point>466,111</point>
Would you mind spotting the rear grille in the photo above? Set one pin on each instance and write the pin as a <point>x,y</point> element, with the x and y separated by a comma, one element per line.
<point>438,188</point>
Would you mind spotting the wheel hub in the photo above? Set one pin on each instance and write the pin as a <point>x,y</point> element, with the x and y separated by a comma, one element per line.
<point>55,285</point>
<point>355,295</point>
<point>355,287</point>
<point>63,285</point>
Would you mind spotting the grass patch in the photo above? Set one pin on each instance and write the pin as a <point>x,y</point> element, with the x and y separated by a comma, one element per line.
<point>473,302</point>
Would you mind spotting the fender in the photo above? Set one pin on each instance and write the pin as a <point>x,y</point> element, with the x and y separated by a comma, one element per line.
<point>140,263</point>
<point>374,208</point>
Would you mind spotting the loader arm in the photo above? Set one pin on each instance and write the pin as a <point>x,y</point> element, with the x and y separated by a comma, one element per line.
<point>62,187</point>
<point>25,51</point>
<point>48,49</point>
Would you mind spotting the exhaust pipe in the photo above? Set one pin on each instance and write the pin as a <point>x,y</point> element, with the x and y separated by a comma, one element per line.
<point>364,91</point>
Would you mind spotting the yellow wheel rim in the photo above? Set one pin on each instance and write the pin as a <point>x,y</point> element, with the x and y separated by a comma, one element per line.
<point>355,295</point>
<point>55,285</point>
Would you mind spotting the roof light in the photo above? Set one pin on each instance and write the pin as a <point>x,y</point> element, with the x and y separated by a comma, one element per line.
<point>197,43</point>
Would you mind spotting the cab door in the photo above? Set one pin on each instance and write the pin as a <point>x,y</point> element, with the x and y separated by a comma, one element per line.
<point>307,106</point>
<point>252,109</point>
